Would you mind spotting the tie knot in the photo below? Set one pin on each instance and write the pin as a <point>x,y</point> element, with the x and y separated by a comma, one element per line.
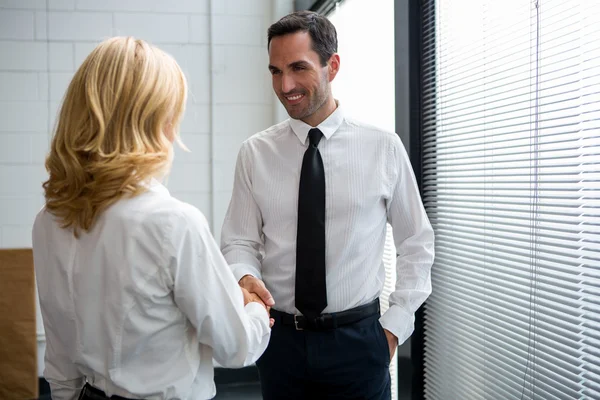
<point>314,136</point>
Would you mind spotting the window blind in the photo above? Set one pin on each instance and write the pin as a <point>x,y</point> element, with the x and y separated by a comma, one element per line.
<point>511,179</point>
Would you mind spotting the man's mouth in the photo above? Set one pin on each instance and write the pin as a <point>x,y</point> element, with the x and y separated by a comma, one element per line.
<point>294,98</point>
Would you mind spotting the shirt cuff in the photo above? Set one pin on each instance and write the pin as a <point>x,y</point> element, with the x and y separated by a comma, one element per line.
<point>241,269</point>
<point>66,390</point>
<point>399,322</point>
<point>263,333</point>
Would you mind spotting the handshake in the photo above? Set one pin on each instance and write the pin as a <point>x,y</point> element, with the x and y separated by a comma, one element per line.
<point>254,290</point>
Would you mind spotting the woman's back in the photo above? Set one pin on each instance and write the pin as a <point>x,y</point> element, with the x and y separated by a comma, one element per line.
<point>135,295</point>
<point>117,297</point>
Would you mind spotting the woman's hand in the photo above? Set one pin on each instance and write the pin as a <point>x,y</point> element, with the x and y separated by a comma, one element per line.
<point>253,297</point>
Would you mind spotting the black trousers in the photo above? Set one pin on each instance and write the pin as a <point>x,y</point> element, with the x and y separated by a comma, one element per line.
<point>349,362</point>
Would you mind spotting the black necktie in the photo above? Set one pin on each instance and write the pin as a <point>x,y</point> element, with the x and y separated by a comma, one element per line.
<point>311,291</point>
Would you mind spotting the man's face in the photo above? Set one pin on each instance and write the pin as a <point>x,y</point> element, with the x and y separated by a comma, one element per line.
<point>299,80</point>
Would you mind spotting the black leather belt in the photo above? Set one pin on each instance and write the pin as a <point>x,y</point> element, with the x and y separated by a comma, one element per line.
<point>327,321</point>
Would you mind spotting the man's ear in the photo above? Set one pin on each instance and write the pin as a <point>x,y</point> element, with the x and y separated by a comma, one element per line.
<point>333,66</point>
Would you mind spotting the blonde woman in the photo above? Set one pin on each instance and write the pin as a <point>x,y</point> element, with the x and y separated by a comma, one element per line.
<point>135,295</point>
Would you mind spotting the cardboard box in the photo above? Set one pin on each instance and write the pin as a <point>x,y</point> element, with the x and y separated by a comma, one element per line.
<point>18,340</point>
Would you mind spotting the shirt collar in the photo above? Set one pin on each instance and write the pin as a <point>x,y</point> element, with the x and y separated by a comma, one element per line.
<point>327,127</point>
<point>154,185</point>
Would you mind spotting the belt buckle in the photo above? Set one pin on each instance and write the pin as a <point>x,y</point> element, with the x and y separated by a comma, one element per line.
<point>296,323</point>
<point>320,321</point>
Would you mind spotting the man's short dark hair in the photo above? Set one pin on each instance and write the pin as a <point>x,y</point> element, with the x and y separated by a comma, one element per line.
<point>321,31</point>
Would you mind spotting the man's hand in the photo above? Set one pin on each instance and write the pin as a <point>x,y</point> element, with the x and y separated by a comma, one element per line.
<point>254,285</point>
<point>392,343</point>
<point>253,297</point>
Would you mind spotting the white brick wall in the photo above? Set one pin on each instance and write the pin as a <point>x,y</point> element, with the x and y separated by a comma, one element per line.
<point>19,86</point>
<point>42,42</point>
<point>156,28</point>
<point>22,56</point>
<point>17,25</point>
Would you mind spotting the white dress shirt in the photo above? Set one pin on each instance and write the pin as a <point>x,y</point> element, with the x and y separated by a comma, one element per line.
<point>141,304</point>
<point>369,181</point>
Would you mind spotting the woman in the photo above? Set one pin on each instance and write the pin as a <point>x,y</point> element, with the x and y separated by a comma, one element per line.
<point>135,295</point>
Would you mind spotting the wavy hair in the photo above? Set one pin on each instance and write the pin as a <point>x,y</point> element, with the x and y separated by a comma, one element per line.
<point>116,125</point>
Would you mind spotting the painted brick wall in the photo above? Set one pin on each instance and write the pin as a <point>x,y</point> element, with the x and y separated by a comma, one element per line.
<point>42,42</point>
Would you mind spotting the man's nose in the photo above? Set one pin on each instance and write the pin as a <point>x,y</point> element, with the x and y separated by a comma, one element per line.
<point>287,83</point>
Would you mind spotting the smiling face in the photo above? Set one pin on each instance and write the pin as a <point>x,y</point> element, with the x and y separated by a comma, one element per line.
<point>300,81</point>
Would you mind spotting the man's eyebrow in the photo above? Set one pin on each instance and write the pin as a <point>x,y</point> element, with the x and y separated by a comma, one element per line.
<point>299,64</point>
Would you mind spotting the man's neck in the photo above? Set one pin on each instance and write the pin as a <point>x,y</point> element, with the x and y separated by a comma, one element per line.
<point>322,113</point>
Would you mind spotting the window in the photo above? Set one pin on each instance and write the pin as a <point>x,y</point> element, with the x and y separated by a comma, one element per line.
<point>365,88</point>
<point>511,179</point>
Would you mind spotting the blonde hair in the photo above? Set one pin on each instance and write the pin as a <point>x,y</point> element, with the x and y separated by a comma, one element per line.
<point>110,139</point>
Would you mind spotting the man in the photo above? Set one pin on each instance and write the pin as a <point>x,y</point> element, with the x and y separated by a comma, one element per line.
<point>305,229</point>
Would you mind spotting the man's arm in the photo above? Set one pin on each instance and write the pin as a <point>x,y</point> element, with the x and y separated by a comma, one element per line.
<point>414,240</point>
<point>241,235</point>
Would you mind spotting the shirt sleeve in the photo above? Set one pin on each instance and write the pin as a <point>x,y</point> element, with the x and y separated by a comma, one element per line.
<point>414,240</point>
<point>241,235</point>
<point>206,291</point>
